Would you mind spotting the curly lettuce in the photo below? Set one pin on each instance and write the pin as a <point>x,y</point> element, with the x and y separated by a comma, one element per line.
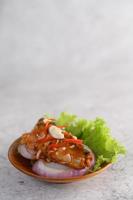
<point>96,135</point>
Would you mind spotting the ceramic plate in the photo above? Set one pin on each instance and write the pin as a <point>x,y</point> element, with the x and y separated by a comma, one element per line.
<point>24,166</point>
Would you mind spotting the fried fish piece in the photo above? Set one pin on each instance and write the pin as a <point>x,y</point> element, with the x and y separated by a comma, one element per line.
<point>68,150</point>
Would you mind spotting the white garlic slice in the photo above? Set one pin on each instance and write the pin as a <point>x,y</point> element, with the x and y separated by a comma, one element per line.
<point>56,132</point>
<point>67,158</point>
<point>45,120</point>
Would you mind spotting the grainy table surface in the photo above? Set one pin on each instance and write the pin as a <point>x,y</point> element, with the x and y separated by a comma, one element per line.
<point>74,56</point>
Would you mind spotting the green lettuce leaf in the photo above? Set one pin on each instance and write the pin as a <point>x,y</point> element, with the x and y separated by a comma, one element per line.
<point>96,135</point>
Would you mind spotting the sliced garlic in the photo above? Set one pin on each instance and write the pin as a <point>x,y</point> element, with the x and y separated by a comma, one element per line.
<point>74,137</point>
<point>67,158</point>
<point>46,120</point>
<point>38,154</point>
<point>63,148</point>
<point>56,132</point>
<point>72,146</point>
<point>57,153</point>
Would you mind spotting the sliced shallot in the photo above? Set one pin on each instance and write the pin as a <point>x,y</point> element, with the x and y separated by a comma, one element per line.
<point>55,170</point>
<point>26,153</point>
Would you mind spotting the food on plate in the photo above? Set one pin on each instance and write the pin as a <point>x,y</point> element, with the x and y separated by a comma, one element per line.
<point>48,144</point>
<point>68,146</point>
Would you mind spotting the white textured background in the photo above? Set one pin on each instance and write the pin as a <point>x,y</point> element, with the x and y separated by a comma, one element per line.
<point>70,55</point>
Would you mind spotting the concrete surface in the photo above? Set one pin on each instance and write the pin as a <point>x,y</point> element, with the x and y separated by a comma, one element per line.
<point>66,55</point>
